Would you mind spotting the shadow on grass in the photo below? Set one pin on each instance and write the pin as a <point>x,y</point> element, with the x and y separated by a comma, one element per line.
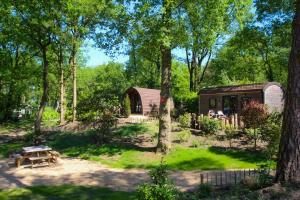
<point>82,145</point>
<point>242,155</point>
<point>8,148</point>
<point>25,125</point>
<point>131,130</point>
<point>65,192</point>
<point>204,163</point>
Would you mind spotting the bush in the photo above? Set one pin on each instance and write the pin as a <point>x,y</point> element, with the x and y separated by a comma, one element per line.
<point>230,133</point>
<point>254,117</point>
<point>254,114</point>
<point>271,132</point>
<point>196,143</point>
<point>209,126</point>
<point>184,136</point>
<point>160,187</point>
<point>185,120</point>
<point>127,109</point>
<point>253,134</point>
<point>103,127</point>
<point>204,191</point>
<point>50,114</point>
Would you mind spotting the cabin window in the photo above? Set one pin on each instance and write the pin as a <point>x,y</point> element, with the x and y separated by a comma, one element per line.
<point>245,101</point>
<point>212,103</point>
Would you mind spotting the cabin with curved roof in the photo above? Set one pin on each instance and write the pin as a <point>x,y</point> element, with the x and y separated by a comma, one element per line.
<point>232,99</point>
<point>144,101</point>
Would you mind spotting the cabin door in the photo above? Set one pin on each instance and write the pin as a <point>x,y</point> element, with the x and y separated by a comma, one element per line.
<point>230,104</point>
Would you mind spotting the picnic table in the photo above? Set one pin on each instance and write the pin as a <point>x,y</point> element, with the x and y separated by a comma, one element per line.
<point>37,155</point>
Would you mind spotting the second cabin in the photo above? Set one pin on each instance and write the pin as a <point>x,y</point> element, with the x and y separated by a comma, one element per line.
<point>232,99</point>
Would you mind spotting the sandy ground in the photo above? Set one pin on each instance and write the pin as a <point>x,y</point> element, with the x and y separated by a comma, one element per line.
<point>87,173</point>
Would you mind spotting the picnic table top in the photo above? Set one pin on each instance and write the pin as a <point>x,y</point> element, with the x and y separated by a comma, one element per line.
<point>36,149</point>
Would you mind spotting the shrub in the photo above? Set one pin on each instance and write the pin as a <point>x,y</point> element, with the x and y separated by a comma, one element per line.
<point>50,114</point>
<point>254,117</point>
<point>253,134</point>
<point>127,109</point>
<point>254,114</point>
<point>230,133</point>
<point>271,132</point>
<point>160,187</point>
<point>209,126</point>
<point>204,191</point>
<point>103,127</point>
<point>185,120</point>
<point>184,136</point>
<point>196,143</point>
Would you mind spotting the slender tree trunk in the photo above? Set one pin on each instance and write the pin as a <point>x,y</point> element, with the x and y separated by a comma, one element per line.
<point>74,77</point>
<point>62,96</point>
<point>164,136</point>
<point>62,86</point>
<point>191,70</point>
<point>288,165</point>
<point>194,71</point>
<point>39,115</point>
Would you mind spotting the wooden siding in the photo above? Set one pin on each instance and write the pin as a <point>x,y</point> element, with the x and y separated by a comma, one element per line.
<point>273,98</point>
<point>204,100</point>
<point>150,99</point>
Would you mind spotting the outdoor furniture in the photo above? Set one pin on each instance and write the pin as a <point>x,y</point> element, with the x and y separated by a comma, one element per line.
<point>37,155</point>
<point>220,114</point>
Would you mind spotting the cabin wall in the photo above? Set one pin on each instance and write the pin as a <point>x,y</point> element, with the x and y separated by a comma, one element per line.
<point>204,100</point>
<point>273,98</point>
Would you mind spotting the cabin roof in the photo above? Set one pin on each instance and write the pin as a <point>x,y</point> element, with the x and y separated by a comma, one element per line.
<point>238,88</point>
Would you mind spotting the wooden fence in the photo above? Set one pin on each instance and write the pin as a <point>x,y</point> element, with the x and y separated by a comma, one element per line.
<point>233,120</point>
<point>226,178</point>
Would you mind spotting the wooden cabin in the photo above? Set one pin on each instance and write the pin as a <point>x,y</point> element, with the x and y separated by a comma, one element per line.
<point>144,101</point>
<point>231,99</point>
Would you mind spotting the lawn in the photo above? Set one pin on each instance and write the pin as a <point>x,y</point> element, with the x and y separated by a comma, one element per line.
<point>128,155</point>
<point>64,192</point>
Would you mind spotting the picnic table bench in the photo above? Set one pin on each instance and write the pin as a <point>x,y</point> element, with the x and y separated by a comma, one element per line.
<point>37,155</point>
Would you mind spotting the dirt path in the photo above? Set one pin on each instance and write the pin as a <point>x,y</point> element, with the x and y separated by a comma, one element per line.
<point>87,173</point>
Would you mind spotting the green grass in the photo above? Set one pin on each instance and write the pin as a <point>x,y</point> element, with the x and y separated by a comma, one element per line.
<point>64,192</point>
<point>120,155</point>
<point>130,156</point>
<point>183,158</point>
<point>25,125</point>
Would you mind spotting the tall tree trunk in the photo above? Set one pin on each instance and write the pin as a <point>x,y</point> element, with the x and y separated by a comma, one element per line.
<point>39,115</point>
<point>288,165</point>
<point>62,96</point>
<point>74,77</point>
<point>164,136</point>
<point>194,71</point>
<point>62,86</point>
<point>191,70</point>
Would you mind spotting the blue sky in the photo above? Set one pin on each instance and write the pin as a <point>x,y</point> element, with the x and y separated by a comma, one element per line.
<point>96,56</point>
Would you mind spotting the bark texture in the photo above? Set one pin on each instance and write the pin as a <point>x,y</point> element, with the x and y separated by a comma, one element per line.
<point>164,136</point>
<point>62,97</point>
<point>38,121</point>
<point>74,78</point>
<point>288,165</point>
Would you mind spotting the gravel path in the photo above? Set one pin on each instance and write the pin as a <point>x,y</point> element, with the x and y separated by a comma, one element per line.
<point>87,173</point>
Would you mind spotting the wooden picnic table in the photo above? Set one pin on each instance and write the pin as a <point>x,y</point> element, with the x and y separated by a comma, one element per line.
<point>36,154</point>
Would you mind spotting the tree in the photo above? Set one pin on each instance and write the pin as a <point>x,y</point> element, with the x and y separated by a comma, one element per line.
<point>36,22</point>
<point>127,109</point>
<point>82,17</point>
<point>288,166</point>
<point>206,23</point>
